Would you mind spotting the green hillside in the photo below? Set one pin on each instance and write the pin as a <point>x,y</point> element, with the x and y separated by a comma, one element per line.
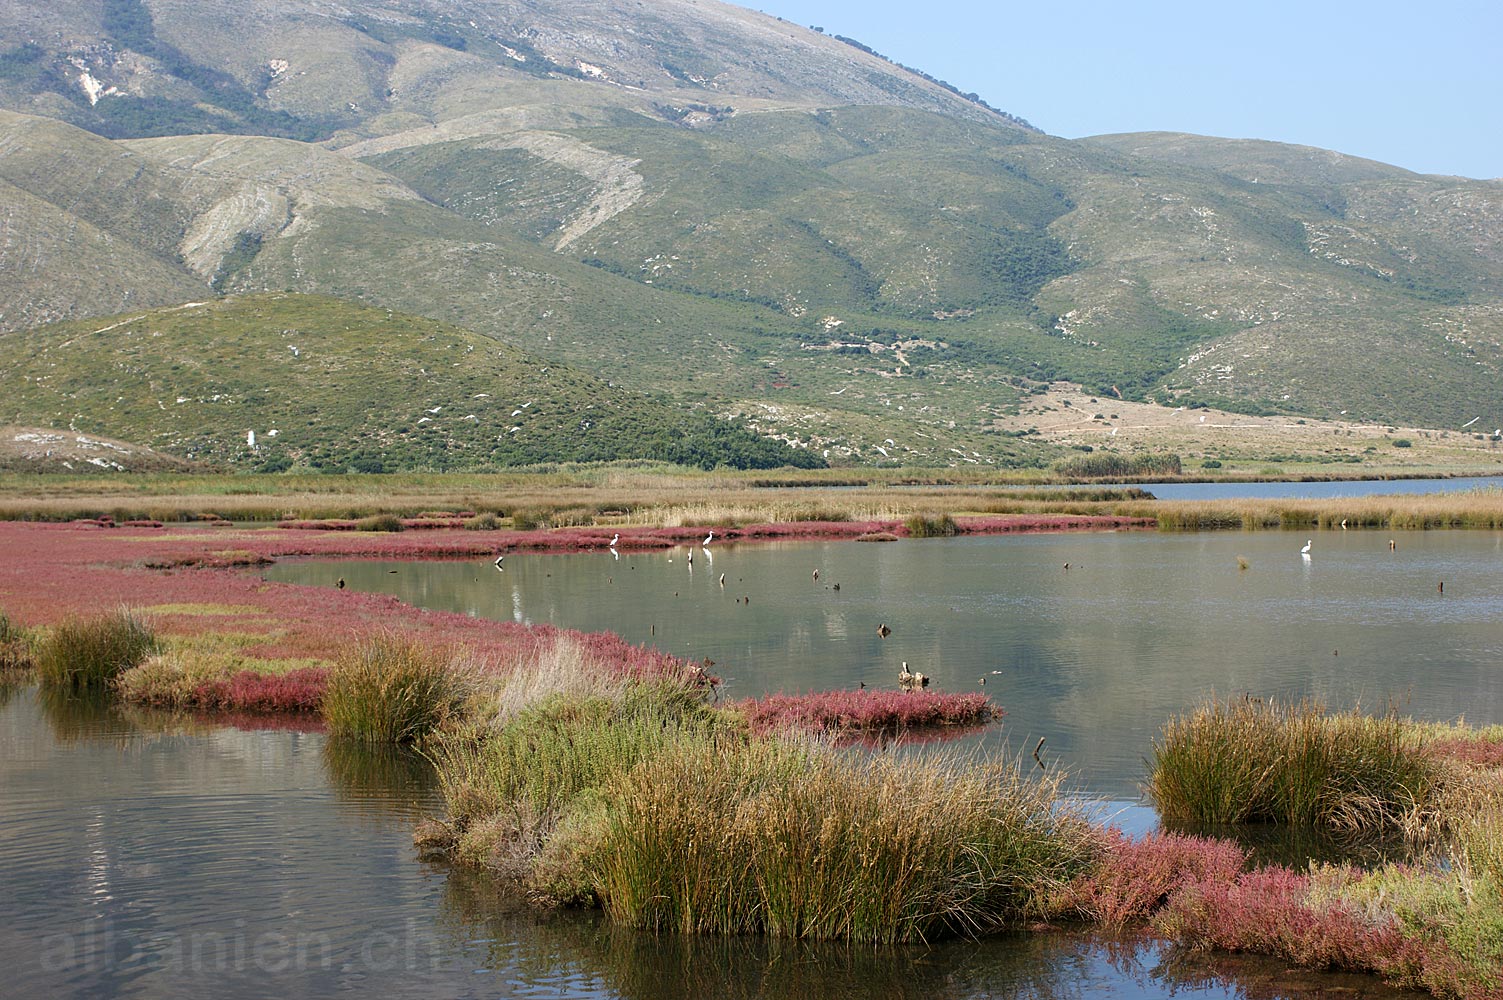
<point>337,387</point>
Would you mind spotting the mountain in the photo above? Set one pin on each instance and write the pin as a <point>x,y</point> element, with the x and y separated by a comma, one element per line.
<point>736,213</point>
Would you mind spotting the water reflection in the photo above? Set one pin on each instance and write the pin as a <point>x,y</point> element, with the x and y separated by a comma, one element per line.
<point>10,686</point>
<point>606,961</point>
<point>381,779</point>
<point>78,716</point>
<point>1297,847</point>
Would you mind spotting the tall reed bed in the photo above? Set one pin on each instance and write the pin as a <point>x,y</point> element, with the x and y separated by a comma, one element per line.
<point>387,689</point>
<point>87,654</point>
<point>800,841</point>
<point>930,526</point>
<point>1252,761</point>
<point>573,668</point>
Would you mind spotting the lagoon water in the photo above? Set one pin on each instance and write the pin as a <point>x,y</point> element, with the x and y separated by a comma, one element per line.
<point>148,855</point>
<point>1093,658</point>
<point>1318,490</point>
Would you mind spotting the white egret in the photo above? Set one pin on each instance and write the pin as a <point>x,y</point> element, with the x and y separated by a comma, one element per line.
<point>706,542</point>
<point>1306,550</point>
<point>615,538</point>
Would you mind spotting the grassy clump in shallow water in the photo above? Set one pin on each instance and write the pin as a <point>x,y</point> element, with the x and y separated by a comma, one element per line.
<point>389,690</point>
<point>670,815</point>
<point>798,840</point>
<point>524,794</point>
<point>87,654</point>
<point>1253,761</point>
<point>930,526</point>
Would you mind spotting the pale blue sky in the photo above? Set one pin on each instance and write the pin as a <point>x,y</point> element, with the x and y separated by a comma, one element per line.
<point>1418,85</point>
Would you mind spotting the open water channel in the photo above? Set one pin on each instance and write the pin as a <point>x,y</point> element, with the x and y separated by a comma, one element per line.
<point>144,855</point>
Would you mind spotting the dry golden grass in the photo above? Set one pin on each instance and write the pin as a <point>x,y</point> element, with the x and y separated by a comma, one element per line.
<point>616,497</point>
<point>564,669</point>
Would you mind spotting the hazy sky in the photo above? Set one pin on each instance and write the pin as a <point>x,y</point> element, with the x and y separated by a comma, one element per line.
<point>1416,84</point>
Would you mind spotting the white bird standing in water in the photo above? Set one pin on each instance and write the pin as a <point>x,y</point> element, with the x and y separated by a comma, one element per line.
<point>1306,550</point>
<point>706,542</point>
<point>615,538</point>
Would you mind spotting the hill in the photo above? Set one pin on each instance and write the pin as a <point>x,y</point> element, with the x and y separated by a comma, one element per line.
<point>734,213</point>
<point>277,381</point>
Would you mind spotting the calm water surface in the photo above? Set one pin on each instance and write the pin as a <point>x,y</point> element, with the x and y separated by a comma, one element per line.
<point>1093,657</point>
<point>146,855</point>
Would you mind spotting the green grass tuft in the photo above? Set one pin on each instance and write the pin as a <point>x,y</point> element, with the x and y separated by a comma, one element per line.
<point>389,690</point>
<point>797,840</point>
<point>87,654</point>
<point>1254,761</point>
<point>930,526</point>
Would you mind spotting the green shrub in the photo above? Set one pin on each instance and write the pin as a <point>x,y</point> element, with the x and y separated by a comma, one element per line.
<point>482,522</point>
<point>387,689</point>
<point>88,653</point>
<point>379,522</point>
<point>1403,443</point>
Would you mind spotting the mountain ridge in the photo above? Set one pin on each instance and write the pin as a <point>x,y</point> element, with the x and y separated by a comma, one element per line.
<point>734,228</point>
